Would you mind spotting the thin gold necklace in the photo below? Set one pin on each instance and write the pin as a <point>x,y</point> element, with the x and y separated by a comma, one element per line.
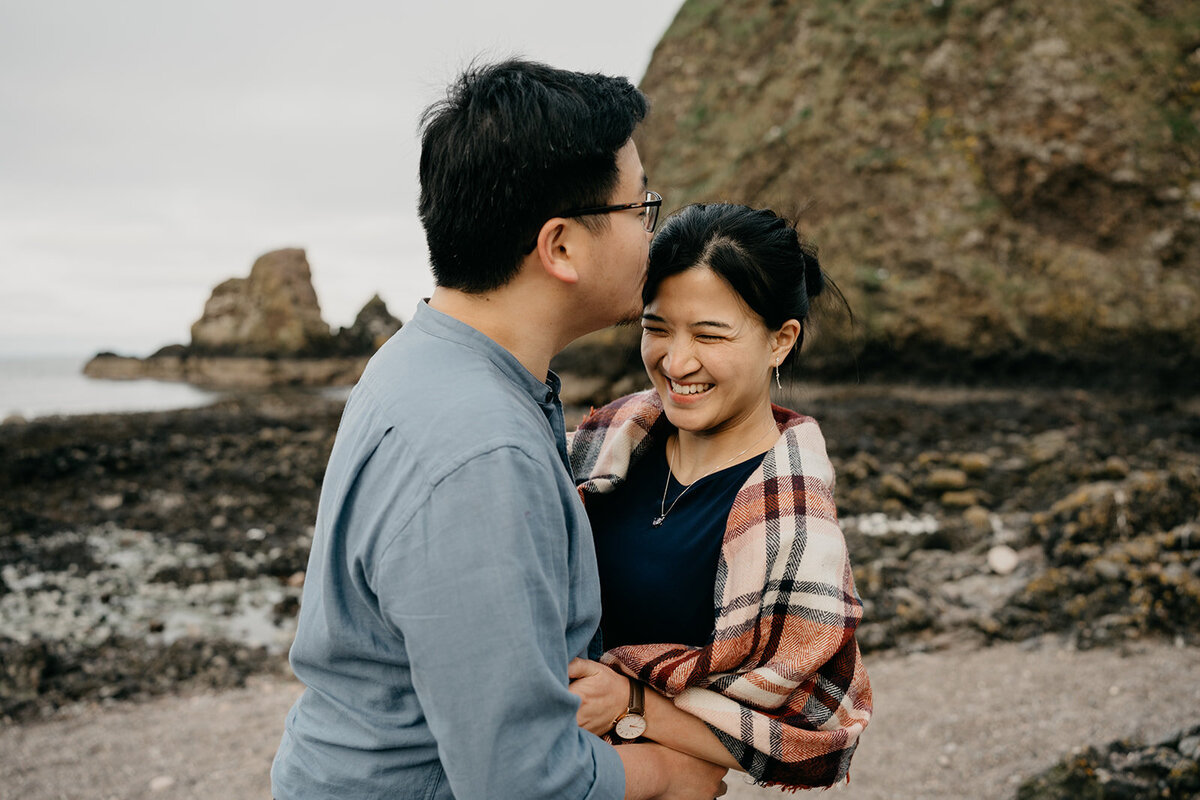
<point>662,515</point>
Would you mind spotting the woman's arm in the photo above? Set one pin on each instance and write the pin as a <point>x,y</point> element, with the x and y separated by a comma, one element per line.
<point>605,696</point>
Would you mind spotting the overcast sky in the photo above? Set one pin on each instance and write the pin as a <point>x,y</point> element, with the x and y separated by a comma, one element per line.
<point>150,149</point>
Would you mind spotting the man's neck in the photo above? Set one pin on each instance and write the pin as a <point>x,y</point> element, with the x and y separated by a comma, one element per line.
<point>507,318</point>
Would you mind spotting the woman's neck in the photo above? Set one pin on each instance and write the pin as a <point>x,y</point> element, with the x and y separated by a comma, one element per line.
<point>693,455</point>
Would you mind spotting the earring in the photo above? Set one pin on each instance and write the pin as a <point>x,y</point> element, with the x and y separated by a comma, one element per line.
<point>777,383</point>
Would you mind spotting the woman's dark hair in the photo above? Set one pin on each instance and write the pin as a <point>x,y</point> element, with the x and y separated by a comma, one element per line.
<point>757,252</point>
<point>512,145</point>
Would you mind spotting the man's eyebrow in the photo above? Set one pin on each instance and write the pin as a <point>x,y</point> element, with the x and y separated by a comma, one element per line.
<point>645,181</point>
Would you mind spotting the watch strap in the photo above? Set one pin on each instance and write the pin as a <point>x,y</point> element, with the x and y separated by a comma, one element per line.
<point>637,698</point>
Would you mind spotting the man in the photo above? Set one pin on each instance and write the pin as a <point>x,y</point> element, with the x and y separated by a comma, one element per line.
<point>452,575</point>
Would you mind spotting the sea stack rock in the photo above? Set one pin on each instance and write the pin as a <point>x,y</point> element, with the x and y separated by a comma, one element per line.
<point>274,312</point>
<point>373,326</point>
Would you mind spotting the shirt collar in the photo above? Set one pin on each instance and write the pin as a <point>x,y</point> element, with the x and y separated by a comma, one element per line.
<point>444,326</point>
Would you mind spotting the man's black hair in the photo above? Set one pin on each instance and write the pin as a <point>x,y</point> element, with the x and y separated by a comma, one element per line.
<point>512,145</point>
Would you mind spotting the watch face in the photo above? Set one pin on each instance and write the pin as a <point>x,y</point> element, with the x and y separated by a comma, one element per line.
<point>631,726</point>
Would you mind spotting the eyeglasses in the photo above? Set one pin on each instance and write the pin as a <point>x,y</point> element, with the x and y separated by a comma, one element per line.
<point>649,216</point>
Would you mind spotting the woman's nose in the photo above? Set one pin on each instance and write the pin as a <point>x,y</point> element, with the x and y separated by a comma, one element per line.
<point>680,360</point>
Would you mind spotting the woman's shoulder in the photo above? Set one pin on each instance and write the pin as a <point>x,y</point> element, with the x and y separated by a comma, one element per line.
<point>796,424</point>
<point>802,436</point>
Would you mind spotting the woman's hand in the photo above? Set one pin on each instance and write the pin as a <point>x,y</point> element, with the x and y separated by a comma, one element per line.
<point>605,694</point>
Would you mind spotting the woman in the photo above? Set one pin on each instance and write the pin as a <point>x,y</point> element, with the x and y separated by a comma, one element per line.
<point>728,597</point>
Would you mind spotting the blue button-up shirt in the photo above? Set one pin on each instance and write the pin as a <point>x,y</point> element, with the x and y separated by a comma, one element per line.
<point>451,579</point>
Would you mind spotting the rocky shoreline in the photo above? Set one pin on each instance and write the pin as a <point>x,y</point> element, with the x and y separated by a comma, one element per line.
<point>145,553</point>
<point>229,372</point>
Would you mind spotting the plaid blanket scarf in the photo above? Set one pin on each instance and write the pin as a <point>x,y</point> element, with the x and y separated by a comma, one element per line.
<point>781,683</point>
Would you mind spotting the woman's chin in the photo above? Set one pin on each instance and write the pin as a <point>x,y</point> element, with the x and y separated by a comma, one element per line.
<point>686,418</point>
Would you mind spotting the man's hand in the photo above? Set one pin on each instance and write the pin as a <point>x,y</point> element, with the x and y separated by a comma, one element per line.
<point>655,772</point>
<point>603,692</point>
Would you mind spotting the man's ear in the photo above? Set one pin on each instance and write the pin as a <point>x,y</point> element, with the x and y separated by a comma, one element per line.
<point>557,244</point>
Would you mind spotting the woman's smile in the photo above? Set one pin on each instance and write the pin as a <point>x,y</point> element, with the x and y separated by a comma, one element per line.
<point>689,390</point>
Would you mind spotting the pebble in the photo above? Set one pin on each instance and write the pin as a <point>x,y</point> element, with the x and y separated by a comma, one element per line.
<point>978,518</point>
<point>941,480</point>
<point>1115,467</point>
<point>1189,747</point>
<point>109,502</point>
<point>161,783</point>
<point>928,457</point>
<point>964,499</point>
<point>892,485</point>
<point>1002,559</point>
<point>975,463</point>
<point>1048,446</point>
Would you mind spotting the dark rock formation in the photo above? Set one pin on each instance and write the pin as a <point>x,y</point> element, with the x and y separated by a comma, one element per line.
<point>38,676</point>
<point>999,189</point>
<point>373,326</point>
<point>1123,771</point>
<point>274,312</point>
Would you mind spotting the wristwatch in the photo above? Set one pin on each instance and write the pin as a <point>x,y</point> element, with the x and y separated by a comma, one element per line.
<point>632,723</point>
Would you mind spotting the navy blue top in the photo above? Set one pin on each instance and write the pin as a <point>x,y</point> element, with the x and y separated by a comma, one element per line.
<point>656,584</point>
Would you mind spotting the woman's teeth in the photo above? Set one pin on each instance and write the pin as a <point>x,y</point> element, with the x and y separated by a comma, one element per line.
<point>689,388</point>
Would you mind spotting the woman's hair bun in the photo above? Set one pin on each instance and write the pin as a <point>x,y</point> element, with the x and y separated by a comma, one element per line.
<point>814,276</point>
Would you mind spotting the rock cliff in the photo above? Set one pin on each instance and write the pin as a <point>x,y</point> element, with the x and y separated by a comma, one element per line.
<point>999,188</point>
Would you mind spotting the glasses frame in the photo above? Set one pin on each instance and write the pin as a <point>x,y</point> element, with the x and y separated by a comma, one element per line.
<point>653,200</point>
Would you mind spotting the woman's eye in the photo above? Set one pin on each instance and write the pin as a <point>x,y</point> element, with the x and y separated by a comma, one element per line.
<point>709,337</point>
<point>653,331</point>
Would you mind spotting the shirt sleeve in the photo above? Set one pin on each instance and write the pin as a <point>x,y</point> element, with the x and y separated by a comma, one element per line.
<point>478,584</point>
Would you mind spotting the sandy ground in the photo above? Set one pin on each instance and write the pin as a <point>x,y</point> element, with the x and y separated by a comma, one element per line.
<point>950,724</point>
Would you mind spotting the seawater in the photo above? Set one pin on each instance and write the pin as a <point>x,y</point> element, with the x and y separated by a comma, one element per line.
<point>38,386</point>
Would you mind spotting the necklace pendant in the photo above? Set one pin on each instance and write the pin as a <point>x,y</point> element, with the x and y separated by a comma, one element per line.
<point>658,521</point>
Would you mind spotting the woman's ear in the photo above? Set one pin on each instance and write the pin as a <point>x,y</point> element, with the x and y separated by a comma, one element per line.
<point>556,247</point>
<point>784,339</point>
